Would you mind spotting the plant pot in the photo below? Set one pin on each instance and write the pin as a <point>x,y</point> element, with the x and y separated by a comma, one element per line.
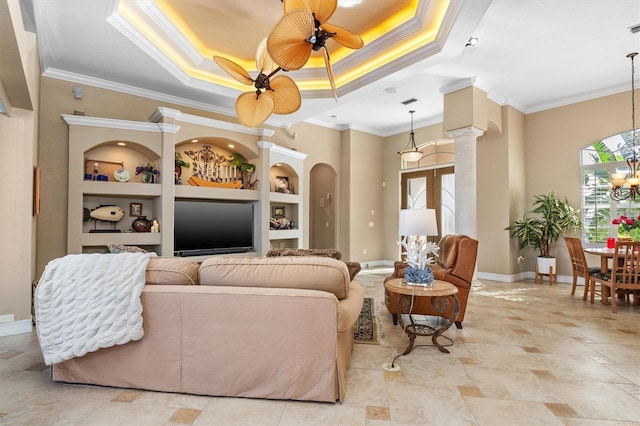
<point>544,263</point>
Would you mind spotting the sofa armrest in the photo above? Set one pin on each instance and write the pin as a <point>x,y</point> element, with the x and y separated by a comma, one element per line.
<point>350,307</point>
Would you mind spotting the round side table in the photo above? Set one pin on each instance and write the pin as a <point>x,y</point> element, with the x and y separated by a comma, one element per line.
<point>442,295</point>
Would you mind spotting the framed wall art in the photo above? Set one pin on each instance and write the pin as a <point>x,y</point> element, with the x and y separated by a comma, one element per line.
<point>277,211</point>
<point>135,209</point>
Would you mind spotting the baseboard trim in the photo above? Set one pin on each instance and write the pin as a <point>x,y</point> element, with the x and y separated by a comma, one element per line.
<point>16,327</point>
<point>527,275</point>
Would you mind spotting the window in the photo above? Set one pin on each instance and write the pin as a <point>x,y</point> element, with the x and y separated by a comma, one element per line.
<point>598,161</point>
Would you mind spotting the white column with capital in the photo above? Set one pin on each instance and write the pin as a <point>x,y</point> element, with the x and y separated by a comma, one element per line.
<point>465,140</point>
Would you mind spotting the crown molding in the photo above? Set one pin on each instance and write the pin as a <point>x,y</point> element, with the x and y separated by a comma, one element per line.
<point>613,90</point>
<point>132,90</point>
<point>167,27</point>
<point>463,83</point>
<point>112,123</point>
<point>208,122</point>
<point>281,150</point>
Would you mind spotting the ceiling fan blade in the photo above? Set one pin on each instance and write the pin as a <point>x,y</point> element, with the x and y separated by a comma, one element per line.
<point>286,95</point>
<point>343,36</point>
<point>291,5</point>
<point>327,63</point>
<point>322,9</point>
<point>264,63</point>
<point>287,43</point>
<point>254,109</point>
<point>234,70</point>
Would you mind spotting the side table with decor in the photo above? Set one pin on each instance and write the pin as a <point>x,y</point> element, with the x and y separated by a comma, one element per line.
<point>442,297</point>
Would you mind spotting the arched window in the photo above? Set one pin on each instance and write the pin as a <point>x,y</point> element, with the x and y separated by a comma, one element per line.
<point>599,160</point>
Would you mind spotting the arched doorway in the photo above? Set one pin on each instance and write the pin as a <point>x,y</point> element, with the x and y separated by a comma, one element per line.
<point>322,207</point>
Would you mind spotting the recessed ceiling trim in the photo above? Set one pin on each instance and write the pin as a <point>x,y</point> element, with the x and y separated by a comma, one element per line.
<point>129,31</point>
<point>167,27</point>
<point>352,67</point>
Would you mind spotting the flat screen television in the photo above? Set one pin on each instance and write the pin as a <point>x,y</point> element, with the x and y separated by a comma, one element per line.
<point>204,227</point>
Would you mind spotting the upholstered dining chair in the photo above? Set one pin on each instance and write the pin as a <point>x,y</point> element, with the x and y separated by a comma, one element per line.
<point>625,273</point>
<point>579,266</point>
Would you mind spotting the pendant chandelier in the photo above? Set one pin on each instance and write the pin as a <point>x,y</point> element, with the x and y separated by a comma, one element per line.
<point>411,152</point>
<point>627,186</point>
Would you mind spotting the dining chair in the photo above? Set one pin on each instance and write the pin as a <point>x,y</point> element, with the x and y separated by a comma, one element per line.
<point>579,266</point>
<point>625,272</point>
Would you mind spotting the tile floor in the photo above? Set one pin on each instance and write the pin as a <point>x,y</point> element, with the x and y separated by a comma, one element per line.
<point>529,354</point>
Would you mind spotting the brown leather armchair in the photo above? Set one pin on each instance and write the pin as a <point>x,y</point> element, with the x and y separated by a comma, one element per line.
<point>456,264</point>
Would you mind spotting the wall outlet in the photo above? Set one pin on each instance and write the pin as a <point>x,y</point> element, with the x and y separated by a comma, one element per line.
<point>364,251</point>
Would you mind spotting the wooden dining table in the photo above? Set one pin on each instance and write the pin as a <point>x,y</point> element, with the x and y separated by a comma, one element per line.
<point>604,253</point>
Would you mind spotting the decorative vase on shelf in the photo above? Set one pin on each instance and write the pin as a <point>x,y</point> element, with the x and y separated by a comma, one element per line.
<point>141,224</point>
<point>148,178</point>
<point>422,277</point>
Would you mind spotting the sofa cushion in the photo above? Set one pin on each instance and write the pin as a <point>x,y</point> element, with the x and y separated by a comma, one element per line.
<point>313,273</point>
<point>448,251</point>
<point>171,271</point>
<point>353,267</point>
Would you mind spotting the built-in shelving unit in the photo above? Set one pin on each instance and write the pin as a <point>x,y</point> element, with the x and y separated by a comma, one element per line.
<point>126,144</point>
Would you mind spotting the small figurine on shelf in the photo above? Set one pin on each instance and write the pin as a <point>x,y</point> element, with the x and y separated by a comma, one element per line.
<point>148,172</point>
<point>155,227</point>
<point>246,169</point>
<point>179,164</point>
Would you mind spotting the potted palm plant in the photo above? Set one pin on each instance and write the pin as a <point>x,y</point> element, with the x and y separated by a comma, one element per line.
<point>540,228</point>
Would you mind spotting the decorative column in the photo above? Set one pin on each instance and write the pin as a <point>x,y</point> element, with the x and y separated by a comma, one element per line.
<point>465,140</point>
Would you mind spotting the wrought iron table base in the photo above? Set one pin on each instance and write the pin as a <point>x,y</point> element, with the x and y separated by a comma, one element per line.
<point>440,304</point>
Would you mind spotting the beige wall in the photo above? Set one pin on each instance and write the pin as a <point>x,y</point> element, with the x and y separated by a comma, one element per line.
<point>500,183</point>
<point>366,197</point>
<point>553,140</point>
<point>18,150</point>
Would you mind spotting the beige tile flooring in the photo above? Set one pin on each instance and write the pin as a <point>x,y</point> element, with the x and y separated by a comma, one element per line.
<point>529,354</point>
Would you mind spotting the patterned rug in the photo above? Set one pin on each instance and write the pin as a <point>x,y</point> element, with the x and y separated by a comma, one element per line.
<point>366,327</point>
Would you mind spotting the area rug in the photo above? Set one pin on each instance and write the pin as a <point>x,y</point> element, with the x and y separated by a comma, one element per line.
<point>366,327</point>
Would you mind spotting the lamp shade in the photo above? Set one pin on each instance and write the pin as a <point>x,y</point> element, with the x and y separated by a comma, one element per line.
<point>418,222</point>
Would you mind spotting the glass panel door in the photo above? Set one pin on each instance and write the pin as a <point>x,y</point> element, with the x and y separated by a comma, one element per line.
<point>431,189</point>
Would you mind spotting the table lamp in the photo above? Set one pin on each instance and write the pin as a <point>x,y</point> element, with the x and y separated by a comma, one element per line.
<point>414,224</point>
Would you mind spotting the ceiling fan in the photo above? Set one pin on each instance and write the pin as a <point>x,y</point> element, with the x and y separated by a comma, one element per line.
<point>303,29</point>
<point>278,95</point>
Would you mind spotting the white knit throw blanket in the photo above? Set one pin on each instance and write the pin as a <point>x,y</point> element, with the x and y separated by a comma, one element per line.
<point>85,302</point>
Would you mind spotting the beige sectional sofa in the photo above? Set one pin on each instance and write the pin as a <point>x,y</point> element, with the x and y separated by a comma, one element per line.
<point>278,328</point>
